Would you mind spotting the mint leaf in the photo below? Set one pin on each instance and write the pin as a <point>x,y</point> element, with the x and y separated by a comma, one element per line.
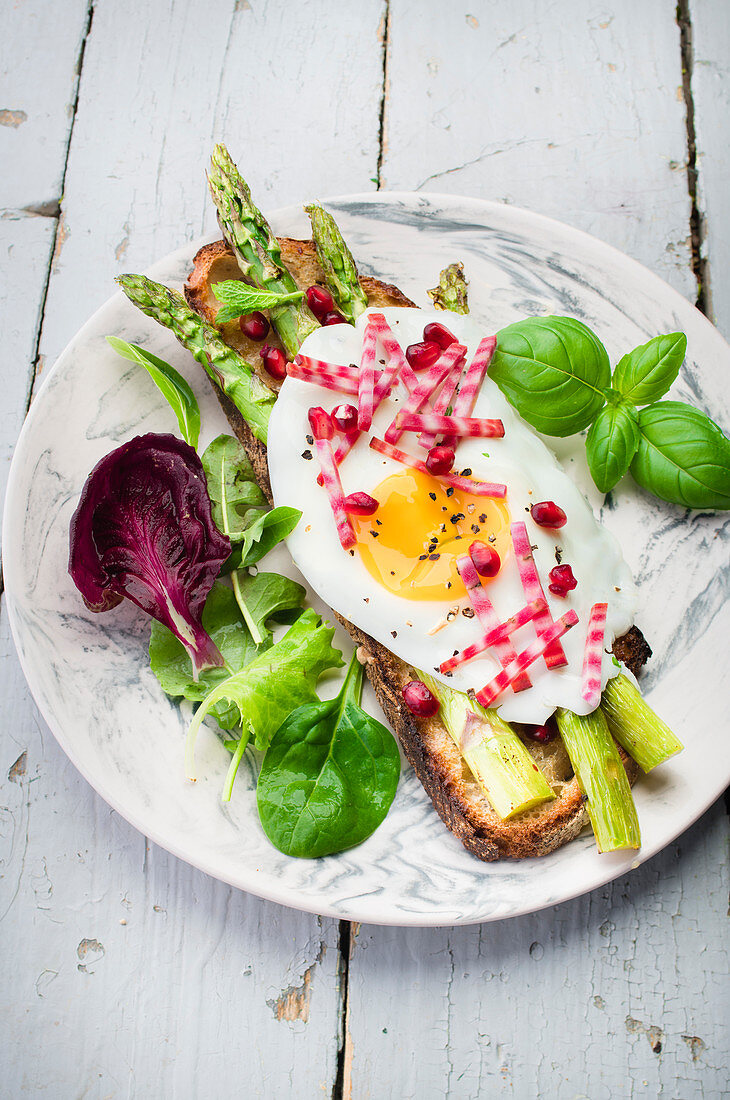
<point>611,444</point>
<point>554,371</point>
<point>647,372</point>
<point>240,299</point>
<point>171,385</point>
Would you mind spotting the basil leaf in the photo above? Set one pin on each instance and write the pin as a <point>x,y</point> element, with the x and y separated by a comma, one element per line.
<point>611,444</point>
<point>329,776</point>
<point>240,299</point>
<point>170,661</point>
<point>647,372</point>
<point>554,371</point>
<point>171,385</point>
<point>683,457</point>
<point>266,531</point>
<point>236,498</point>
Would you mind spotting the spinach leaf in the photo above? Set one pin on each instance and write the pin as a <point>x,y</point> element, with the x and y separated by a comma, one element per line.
<point>237,500</point>
<point>611,444</point>
<point>170,661</point>
<point>241,299</point>
<point>554,371</point>
<point>329,776</point>
<point>683,457</point>
<point>171,385</point>
<point>274,683</point>
<point>647,372</point>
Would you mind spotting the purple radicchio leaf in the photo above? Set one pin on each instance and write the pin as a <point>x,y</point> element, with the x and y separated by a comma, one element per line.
<point>144,529</point>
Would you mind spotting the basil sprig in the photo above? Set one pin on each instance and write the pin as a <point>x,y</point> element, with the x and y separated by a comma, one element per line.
<point>240,299</point>
<point>556,373</point>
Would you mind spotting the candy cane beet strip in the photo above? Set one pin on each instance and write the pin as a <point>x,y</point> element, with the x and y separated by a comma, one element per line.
<point>474,376</point>
<point>593,655</point>
<point>442,402</point>
<point>427,385</point>
<point>503,679</point>
<point>461,426</point>
<point>331,376</point>
<point>554,654</point>
<point>333,487</point>
<point>366,379</point>
<point>493,640</point>
<point>487,616</point>
<point>466,484</point>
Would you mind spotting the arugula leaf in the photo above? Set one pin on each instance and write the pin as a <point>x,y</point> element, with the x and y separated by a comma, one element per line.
<point>170,661</point>
<point>647,372</point>
<point>267,595</point>
<point>683,457</point>
<point>237,499</point>
<point>274,683</point>
<point>171,385</point>
<point>554,370</point>
<point>266,532</point>
<point>240,299</point>
<point>329,776</point>
<point>611,444</point>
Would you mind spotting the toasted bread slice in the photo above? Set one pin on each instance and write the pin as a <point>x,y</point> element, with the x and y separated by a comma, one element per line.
<point>456,795</point>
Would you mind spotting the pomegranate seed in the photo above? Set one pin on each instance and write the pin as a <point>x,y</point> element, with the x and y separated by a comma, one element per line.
<point>344,417</point>
<point>320,301</point>
<point>333,318</point>
<point>255,326</point>
<point>419,700</point>
<point>440,460</point>
<point>320,423</point>
<point>274,362</point>
<point>548,514</point>
<point>487,561</point>
<point>361,504</point>
<point>424,355</point>
<point>562,580</point>
<point>439,334</point>
<point>543,734</point>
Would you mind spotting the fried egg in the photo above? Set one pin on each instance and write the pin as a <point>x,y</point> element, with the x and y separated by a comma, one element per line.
<point>394,585</point>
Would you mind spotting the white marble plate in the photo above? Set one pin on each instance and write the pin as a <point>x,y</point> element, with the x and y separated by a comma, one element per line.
<point>89,673</point>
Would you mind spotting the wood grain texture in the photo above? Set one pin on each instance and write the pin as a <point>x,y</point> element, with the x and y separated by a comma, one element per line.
<point>710,46</point>
<point>574,110</point>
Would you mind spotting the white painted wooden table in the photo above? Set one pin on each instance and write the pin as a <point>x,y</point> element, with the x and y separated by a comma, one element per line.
<point>124,971</point>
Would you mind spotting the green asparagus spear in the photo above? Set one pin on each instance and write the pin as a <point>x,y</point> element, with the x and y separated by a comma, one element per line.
<point>602,779</point>
<point>339,267</point>
<point>451,292</point>
<point>498,760</point>
<point>224,365</point>
<point>635,725</point>
<point>256,249</point>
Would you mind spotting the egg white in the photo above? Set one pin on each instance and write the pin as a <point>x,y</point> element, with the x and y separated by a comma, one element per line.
<point>413,629</point>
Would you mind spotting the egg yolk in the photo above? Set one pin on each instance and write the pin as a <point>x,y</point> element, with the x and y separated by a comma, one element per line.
<point>410,545</point>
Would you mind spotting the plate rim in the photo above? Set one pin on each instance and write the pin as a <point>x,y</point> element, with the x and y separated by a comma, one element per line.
<point>268,890</point>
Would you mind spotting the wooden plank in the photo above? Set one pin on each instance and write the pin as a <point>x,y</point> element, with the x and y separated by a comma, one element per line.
<point>620,993</point>
<point>710,45</point>
<point>556,110</point>
<point>135,187</point>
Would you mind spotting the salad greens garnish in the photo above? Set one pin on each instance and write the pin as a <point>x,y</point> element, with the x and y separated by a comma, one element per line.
<point>240,299</point>
<point>556,373</point>
<point>329,776</point>
<point>171,384</point>
<point>275,682</point>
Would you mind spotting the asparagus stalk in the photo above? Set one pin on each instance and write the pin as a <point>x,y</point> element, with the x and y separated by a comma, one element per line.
<point>451,292</point>
<point>498,760</point>
<point>602,779</point>
<point>635,725</point>
<point>256,249</point>
<point>224,365</point>
<point>339,267</point>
